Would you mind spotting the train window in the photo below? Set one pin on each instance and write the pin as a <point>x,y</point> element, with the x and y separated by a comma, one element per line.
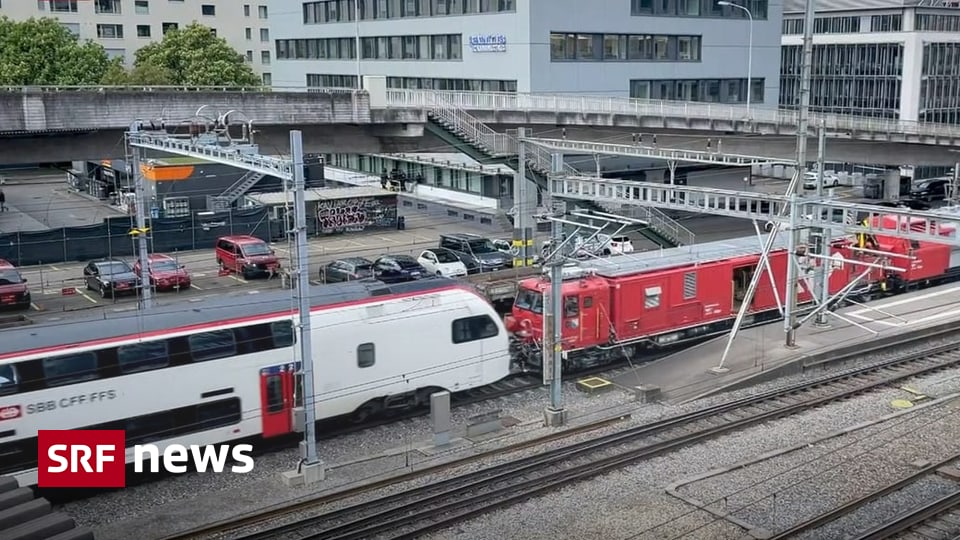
<point>149,428</point>
<point>366,355</point>
<point>282,334</point>
<point>212,345</point>
<point>143,356</point>
<point>571,306</point>
<point>689,285</point>
<point>651,297</point>
<point>71,368</point>
<point>274,394</point>
<point>474,328</point>
<point>588,302</point>
<point>221,413</point>
<point>8,379</point>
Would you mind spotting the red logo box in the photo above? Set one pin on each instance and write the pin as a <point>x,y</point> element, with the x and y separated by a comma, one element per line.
<point>81,459</point>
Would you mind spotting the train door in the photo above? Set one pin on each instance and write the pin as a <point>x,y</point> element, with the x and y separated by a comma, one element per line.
<point>589,318</point>
<point>742,276</point>
<point>277,399</point>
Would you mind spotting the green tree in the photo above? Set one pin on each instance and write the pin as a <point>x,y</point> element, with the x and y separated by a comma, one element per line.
<point>43,52</point>
<point>192,56</point>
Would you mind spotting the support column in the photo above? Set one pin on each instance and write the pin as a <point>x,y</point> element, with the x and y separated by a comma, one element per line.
<point>140,195</point>
<point>523,218</point>
<point>555,415</point>
<point>955,186</point>
<point>822,278</point>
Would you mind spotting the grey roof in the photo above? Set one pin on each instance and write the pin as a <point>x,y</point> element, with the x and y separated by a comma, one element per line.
<point>647,261</point>
<point>112,325</point>
<point>328,194</point>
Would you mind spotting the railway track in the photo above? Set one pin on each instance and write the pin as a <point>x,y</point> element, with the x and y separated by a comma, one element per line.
<point>937,520</point>
<point>431,507</point>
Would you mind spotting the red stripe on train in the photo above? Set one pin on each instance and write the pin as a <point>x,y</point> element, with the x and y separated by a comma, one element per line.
<point>237,320</point>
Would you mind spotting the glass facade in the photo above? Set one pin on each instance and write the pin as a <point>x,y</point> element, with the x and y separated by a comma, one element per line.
<point>937,23</point>
<point>334,11</point>
<point>940,83</point>
<point>708,90</point>
<point>494,186</point>
<point>861,79</point>
<point>318,80</point>
<point>424,47</point>
<point>697,8</point>
<point>623,47</point>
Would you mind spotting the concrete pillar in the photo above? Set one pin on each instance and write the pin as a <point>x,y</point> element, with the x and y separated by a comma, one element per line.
<point>891,185</point>
<point>912,68</point>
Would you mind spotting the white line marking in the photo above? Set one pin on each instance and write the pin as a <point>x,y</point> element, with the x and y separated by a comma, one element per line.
<point>52,267</point>
<point>34,306</point>
<point>905,301</point>
<point>241,280</point>
<point>868,320</point>
<point>85,295</point>
<point>199,275</point>
<point>194,286</point>
<point>943,315</point>
<point>386,239</point>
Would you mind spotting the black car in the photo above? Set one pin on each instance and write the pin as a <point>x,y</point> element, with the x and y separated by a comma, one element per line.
<point>930,190</point>
<point>478,253</point>
<point>348,269</point>
<point>397,268</point>
<point>110,277</point>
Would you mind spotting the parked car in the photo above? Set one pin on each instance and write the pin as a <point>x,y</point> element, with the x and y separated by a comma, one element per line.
<point>165,273</point>
<point>442,262</point>
<point>810,180</point>
<point>503,246</point>
<point>13,287</point>
<point>348,269</point>
<point>111,277</point>
<point>930,190</point>
<point>246,255</point>
<point>397,268</point>
<point>478,253</point>
<point>616,245</point>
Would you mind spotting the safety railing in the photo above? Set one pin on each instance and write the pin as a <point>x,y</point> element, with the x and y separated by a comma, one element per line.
<point>174,88</point>
<point>488,140</point>
<point>503,101</point>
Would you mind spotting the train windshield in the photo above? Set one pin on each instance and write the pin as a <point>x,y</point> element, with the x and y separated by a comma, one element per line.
<point>529,300</point>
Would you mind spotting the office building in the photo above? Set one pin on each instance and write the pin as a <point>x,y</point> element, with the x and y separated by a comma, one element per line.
<point>123,26</point>
<point>881,58</point>
<point>660,49</point>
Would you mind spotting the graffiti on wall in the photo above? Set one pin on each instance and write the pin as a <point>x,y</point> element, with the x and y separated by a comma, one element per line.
<point>356,214</point>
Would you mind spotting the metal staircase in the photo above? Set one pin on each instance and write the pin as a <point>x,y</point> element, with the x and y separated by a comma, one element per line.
<point>663,224</point>
<point>235,191</point>
<point>502,147</point>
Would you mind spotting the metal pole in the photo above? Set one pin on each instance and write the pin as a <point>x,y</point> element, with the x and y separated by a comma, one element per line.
<point>790,317</point>
<point>823,271</point>
<point>310,455</point>
<point>955,185</point>
<point>356,18</point>
<point>146,290</point>
<point>555,414</point>
<point>749,61</point>
<point>519,202</point>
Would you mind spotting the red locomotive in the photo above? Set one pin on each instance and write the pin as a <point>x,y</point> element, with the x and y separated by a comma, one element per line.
<point>615,307</point>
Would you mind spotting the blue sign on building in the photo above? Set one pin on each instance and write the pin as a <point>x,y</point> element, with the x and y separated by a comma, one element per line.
<point>488,43</point>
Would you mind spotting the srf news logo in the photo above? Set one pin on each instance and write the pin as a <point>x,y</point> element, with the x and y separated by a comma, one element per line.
<point>97,458</point>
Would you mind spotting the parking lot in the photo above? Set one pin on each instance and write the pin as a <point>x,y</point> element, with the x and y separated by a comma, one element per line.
<point>58,291</point>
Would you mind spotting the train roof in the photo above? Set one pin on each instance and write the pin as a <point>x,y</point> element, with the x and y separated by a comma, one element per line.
<point>208,310</point>
<point>650,261</point>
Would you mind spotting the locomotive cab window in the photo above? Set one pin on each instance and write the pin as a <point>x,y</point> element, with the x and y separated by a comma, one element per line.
<point>69,369</point>
<point>529,300</point>
<point>143,356</point>
<point>571,306</point>
<point>474,328</point>
<point>651,297</point>
<point>212,345</point>
<point>366,355</point>
<point>8,379</point>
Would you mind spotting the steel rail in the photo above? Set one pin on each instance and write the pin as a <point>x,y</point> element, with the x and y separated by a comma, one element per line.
<point>907,521</point>
<point>449,501</point>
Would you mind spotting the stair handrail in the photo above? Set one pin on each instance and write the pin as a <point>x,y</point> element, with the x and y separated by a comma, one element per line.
<point>660,222</point>
<point>228,195</point>
<point>470,127</point>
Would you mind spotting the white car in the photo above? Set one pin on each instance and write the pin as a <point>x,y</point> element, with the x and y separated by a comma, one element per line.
<point>442,262</point>
<point>617,245</point>
<point>829,180</point>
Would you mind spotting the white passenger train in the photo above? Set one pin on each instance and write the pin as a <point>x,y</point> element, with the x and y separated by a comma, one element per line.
<point>226,370</point>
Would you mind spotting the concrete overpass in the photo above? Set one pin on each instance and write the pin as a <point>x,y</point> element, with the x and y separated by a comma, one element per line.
<point>87,123</point>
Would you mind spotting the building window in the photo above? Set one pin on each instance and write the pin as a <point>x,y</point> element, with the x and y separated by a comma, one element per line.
<point>264,35</point>
<point>860,78</point>
<point>108,7</point>
<point>262,12</point>
<point>63,6</point>
<point>213,32</point>
<point>940,83</point>
<point>624,47</point>
<point>267,79</point>
<point>143,30</point>
<point>249,56</point>
<point>438,47</point>
<point>168,26</point>
<point>110,31</point>
<point>707,90</point>
<point>208,10</point>
<point>248,33</point>
<point>792,27</point>
<point>698,8</point>
<point>887,23</point>
<point>141,7</point>
<point>246,10</point>
<point>73,28</point>
<point>315,80</point>
<point>836,25</point>
<point>937,23</point>
<point>332,11</point>
<point>265,58</point>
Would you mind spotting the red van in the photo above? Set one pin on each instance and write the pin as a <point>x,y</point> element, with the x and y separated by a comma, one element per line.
<point>246,255</point>
<point>13,287</point>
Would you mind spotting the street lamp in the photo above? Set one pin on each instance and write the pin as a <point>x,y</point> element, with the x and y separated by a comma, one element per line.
<point>749,48</point>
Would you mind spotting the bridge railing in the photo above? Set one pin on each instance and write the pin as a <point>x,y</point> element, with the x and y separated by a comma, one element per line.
<point>641,107</point>
<point>175,88</point>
